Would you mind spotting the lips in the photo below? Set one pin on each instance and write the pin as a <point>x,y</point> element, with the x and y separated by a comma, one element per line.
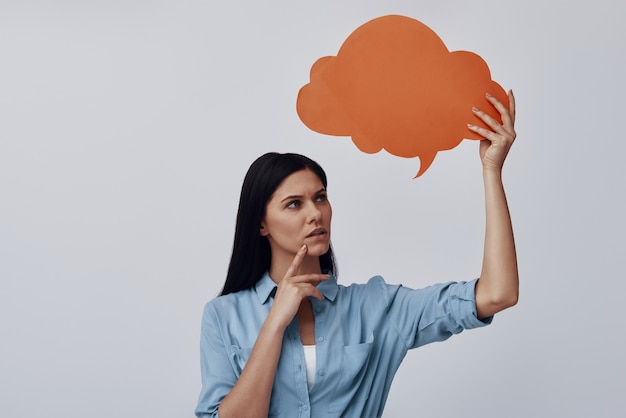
<point>316,233</point>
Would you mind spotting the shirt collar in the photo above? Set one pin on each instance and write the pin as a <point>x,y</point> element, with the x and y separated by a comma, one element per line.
<point>266,287</point>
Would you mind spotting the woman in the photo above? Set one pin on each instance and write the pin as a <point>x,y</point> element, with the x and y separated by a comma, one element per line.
<point>285,339</point>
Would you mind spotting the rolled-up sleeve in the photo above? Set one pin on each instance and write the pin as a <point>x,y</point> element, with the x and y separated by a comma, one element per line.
<point>218,376</point>
<point>434,313</point>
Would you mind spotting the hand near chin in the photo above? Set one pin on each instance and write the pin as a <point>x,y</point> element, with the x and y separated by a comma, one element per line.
<point>293,288</point>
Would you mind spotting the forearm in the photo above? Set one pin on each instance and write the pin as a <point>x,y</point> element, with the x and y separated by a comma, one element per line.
<point>250,397</point>
<point>498,286</point>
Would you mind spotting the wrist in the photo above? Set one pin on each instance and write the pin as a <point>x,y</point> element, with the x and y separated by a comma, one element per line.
<point>492,172</point>
<point>274,323</point>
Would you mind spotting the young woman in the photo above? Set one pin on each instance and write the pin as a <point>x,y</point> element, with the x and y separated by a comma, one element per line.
<point>284,339</point>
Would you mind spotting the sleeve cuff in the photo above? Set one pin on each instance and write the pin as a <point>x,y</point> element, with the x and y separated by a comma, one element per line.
<point>463,303</point>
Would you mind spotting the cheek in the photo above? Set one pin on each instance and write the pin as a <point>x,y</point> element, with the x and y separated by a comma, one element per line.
<point>284,225</point>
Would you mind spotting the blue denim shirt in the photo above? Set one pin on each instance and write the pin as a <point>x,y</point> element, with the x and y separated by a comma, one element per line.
<point>362,333</point>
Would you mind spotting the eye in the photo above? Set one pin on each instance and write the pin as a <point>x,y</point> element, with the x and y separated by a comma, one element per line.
<point>322,197</point>
<point>293,204</point>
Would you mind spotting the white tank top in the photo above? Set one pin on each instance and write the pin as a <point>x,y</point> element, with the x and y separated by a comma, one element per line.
<point>309,360</point>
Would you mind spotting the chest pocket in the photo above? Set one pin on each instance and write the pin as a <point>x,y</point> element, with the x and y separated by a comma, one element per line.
<point>239,358</point>
<point>352,387</point>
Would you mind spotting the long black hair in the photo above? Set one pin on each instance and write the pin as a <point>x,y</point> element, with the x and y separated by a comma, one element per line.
<point>252,256</point>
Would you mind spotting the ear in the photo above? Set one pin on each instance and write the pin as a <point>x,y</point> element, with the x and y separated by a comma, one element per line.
<point>263,231</point>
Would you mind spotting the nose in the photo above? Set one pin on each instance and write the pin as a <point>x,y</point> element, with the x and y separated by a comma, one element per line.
<point>314,214</point>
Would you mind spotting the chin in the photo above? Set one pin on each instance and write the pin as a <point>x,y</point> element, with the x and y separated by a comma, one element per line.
<point>316,250</point>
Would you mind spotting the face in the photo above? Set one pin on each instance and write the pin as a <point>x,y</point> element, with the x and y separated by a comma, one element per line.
<point>298,213</point>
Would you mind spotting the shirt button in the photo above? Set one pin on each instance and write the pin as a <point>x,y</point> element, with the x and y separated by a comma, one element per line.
<point>320,372</point>
<point>320,339</point>
<point>318,309</point>
<point>305,407</point>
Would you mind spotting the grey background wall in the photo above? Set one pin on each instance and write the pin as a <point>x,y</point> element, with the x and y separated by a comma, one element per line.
<point>125,132</point>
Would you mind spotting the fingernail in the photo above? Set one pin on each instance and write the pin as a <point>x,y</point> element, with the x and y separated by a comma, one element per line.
<point>303,247</point>
<point>469,125</point>
<point>489,95</point>
<point>474,109</point>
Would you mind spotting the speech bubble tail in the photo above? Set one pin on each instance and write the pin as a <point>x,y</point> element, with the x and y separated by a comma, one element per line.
<point>425,161</point>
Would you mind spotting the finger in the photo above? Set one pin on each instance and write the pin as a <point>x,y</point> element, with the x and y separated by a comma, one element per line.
<point>313,278</point>
<point>298,291</point>
<point>315,292</point>
<point>318,295</point>
<point>512,105</point>
<point>297,260</point>
<point>489,121</point>
<point>494,139</point>
<point>309,290</point>
<point>505,114</point>
<point>485,133</point>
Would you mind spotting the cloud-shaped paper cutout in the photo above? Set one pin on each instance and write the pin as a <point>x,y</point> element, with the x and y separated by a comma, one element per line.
<point>395,86</point>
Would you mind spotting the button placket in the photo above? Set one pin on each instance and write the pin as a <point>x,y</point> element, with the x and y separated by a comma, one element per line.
<point>320,309</point>
<point>295,347</point>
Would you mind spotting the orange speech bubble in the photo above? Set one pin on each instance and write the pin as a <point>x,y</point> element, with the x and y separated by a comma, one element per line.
<point>395,86</point>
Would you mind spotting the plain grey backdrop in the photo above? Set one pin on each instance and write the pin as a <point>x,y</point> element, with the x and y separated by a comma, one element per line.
<point>126,128</point>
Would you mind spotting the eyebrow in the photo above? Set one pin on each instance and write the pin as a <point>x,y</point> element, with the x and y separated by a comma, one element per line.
<point>299,196</point>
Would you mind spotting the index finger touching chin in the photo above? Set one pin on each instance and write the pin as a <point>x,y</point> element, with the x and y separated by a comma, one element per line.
<point>295,264</point>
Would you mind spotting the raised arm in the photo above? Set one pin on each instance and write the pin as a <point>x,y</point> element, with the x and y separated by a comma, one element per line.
<point>498,286</point>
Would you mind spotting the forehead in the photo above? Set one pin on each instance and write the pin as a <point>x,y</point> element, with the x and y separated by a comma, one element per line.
<point>299,183</point>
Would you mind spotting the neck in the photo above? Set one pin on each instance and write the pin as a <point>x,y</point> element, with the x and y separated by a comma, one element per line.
<point>309,265</point>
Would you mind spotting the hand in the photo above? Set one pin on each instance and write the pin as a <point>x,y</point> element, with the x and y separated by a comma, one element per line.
<point>293,288</point>
<point>495,147</point>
